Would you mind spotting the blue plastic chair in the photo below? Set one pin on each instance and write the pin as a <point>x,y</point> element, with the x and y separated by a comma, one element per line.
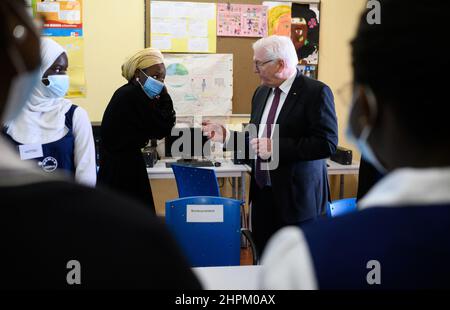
<point>341,207</point>
<point>206,240</point>
<point>193,181</point>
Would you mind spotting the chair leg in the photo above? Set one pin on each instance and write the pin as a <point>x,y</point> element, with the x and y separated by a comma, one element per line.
<point>248,235</point>
<point>244,224</point>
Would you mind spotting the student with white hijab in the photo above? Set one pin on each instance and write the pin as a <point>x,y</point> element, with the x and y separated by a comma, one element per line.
<point>50,129</point>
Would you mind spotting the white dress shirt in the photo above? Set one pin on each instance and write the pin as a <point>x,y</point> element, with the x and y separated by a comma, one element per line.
<point>285,87</point>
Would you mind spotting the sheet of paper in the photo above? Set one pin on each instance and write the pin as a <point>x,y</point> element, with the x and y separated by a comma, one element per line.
<point>197,44</point>
<point>190,26</point>
<point>162,43</point>
<point>200,84</point>
<point>279,18</point>
<point>241,20</point>
<point>204,213</point>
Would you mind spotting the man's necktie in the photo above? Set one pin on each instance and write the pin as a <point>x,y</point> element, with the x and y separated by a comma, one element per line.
<point>261,176</point>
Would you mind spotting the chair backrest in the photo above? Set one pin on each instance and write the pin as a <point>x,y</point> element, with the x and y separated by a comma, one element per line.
<point>341,207</point>
<point>207,229</point>
<point>192,181</point>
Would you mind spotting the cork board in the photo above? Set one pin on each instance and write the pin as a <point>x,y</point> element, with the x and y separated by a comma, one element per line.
<point>245,80</point>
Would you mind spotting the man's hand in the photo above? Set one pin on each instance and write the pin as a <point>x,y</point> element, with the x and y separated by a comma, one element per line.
<point>213,131</point>
<point>262,147</point>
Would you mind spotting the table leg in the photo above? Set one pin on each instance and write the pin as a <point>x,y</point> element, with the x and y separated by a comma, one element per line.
<point>233,188</point>
<point>244,215</point>
<point>243,174</point>
<point>341,186</point>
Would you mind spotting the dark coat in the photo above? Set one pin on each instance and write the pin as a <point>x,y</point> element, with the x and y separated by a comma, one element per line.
<point>130,120</point>
<point>308,134</point>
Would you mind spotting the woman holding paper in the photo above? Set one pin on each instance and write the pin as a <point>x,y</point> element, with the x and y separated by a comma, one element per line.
<point>138,111</point>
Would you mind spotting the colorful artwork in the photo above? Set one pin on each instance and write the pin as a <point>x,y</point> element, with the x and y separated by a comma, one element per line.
<point>241,20</point>
<point>279,18</point>
<point>305,32</point>
<point>63,23</point>
<point>61,18</point>
<point>200,84</point>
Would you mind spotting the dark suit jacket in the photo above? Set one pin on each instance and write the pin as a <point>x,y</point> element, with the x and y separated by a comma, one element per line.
<point>308,134</point>
<point>130,120</point>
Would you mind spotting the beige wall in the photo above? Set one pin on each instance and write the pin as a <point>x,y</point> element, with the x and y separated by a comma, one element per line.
<point>114,29</point>
<point>339,20</point>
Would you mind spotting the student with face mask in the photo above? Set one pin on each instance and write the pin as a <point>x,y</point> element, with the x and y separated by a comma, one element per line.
<point>138,111</point>
<point>50,130</point>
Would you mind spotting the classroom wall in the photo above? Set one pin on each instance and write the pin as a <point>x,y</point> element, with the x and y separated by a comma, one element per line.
<point>114,29</point>
<point>339,20</point>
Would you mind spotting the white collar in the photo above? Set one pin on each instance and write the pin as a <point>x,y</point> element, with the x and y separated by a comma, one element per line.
<point>410,186</point>
<point>286,85</point>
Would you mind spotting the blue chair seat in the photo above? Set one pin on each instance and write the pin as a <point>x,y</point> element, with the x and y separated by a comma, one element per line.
<point>341,207</point>
<point>193,181</point>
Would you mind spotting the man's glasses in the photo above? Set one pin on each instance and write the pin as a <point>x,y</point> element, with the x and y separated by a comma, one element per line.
<point>258,64</point>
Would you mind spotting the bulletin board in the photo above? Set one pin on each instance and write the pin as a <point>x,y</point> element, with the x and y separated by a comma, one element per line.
<point>245,81</point>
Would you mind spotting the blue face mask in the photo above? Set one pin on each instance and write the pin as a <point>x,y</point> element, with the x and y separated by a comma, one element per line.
<point>362,142</point>
<point>58,85</point>
<point>151,86</point>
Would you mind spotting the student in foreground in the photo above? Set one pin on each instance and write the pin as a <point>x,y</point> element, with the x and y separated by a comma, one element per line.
<point>59,235</point>
<point>400,238</point>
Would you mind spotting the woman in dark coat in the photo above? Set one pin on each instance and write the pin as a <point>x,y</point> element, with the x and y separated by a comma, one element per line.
<point>138,111</point>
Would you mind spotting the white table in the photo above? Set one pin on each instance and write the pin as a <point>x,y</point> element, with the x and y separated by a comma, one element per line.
<point>229,277</point>
<point>335,168</point>
<point>226,170</point>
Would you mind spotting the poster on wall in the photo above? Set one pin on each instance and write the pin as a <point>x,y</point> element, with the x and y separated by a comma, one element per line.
<point>305,32</point>
<point>62,21</point>
<point>61,18</point>
<point>241,20</point>
<point>200,84</point>
<point>278,18</point>
<point>185,27</point>
<point>301,22</point>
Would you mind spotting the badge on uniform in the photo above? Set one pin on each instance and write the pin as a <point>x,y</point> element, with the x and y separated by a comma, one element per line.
<point>30,151</point>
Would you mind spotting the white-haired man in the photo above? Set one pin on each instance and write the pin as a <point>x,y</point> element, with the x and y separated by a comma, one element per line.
<point>305,135</point>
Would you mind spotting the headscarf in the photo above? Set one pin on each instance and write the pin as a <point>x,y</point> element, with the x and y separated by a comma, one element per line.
<point>141,60</point>
<point>43,118</point>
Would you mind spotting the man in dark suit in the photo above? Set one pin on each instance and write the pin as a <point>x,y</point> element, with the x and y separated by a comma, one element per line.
<point>301,133</point>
